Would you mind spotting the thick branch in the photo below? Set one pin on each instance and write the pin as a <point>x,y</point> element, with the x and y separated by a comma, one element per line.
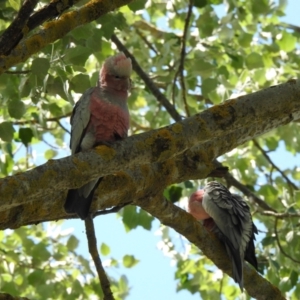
<point>56,29</point>
<point>218,129</point>
<point>16,29</point>
<point>115,190</point>
<point>5,296</point>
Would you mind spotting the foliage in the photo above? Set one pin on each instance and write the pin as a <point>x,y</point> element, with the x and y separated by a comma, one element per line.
<point>242,51</point>
<point>42,262</point>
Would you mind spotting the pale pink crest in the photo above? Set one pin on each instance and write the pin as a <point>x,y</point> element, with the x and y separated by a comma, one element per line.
<point>118,64</point>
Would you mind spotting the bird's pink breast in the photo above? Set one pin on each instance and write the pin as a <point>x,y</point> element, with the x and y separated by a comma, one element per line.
<point>108,121</point>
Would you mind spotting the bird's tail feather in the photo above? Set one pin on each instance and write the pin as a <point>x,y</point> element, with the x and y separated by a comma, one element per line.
<point>77,202</point>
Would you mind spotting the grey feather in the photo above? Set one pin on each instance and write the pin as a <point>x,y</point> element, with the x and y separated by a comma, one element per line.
<point>234,225</point>
<point>79,120</point>
<point>79,200</point>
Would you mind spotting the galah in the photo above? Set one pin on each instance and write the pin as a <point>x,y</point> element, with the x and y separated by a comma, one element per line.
<point>229,217</point>
<point>100,116</point>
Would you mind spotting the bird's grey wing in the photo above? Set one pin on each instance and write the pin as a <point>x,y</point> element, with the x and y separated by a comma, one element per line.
<point>230,213</point>
<point>233,220</point>
<point>250,250</point>
<point>79,120</point>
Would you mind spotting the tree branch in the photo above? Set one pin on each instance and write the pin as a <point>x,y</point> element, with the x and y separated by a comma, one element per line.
<point>92,243</point>
<point>35,121</point>
<point>182,56</point>
<point>56,29</point>
<point>15,31</point>
<point>264,153</point>
<point>280,215</point>
<point>5,296</point>
<point>280,246</point>
<point>200,138</point>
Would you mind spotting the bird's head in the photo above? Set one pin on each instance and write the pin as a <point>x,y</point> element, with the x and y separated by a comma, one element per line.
<point>195,207</point>
<point>115,73</point>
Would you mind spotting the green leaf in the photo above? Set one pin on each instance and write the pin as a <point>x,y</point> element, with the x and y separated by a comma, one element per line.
<point>245,39</point>
<point>36,277</point>
<point>268,240</point>
<point>237,61</point>
<point>208,85</point>
<point>260,7</point>
<point>109,22</point>
<point>39,253</point>
<point>133,218</point>
<point>188,184</point>
<point>203,68</point>
<point>26,135</point>
<point>15,4</point>
<point>6,131</point>
<point>173,193</point>
<point>287,42</point>
<point>72,243</point>
<point>254,60</point>
<point>80,83</point>
<point>105,250</point>
<point>268,191</point>
<point>16,109</point>
<point>40,66</point>
<point>50,153</point>
<point>294,276</point>
<point>200,3</point>
<point>56,87</point>
<point>54,109</point>
<point>129,261</point>
<point>136,5</point>
<point>94,41</point>
<point>77,55</point>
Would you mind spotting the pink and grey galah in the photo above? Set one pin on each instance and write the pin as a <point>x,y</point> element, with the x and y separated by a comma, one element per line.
<point>100,116</point>
<point>229,217</point>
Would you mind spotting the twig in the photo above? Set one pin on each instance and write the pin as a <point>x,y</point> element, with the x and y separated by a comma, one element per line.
<point>51,146</point>
<point>264,153</point>
<point>109,211</point>
<point>290,26</point>
<point>18,72</point>
<point>182,56</point>
<point>15,31</point>
<point>146,41</point>
<point>280,215</point>
<point>34,121</point>
<point>92,244</point>
<point>280,246</point>
<point>149,83</point>
<point>62,126</point>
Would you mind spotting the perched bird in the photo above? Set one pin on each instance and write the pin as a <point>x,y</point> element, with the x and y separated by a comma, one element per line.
<point>100,116</point>
<point>229,217</point>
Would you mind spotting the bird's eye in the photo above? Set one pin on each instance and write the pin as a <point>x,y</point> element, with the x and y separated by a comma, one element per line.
<point>117,77</point>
